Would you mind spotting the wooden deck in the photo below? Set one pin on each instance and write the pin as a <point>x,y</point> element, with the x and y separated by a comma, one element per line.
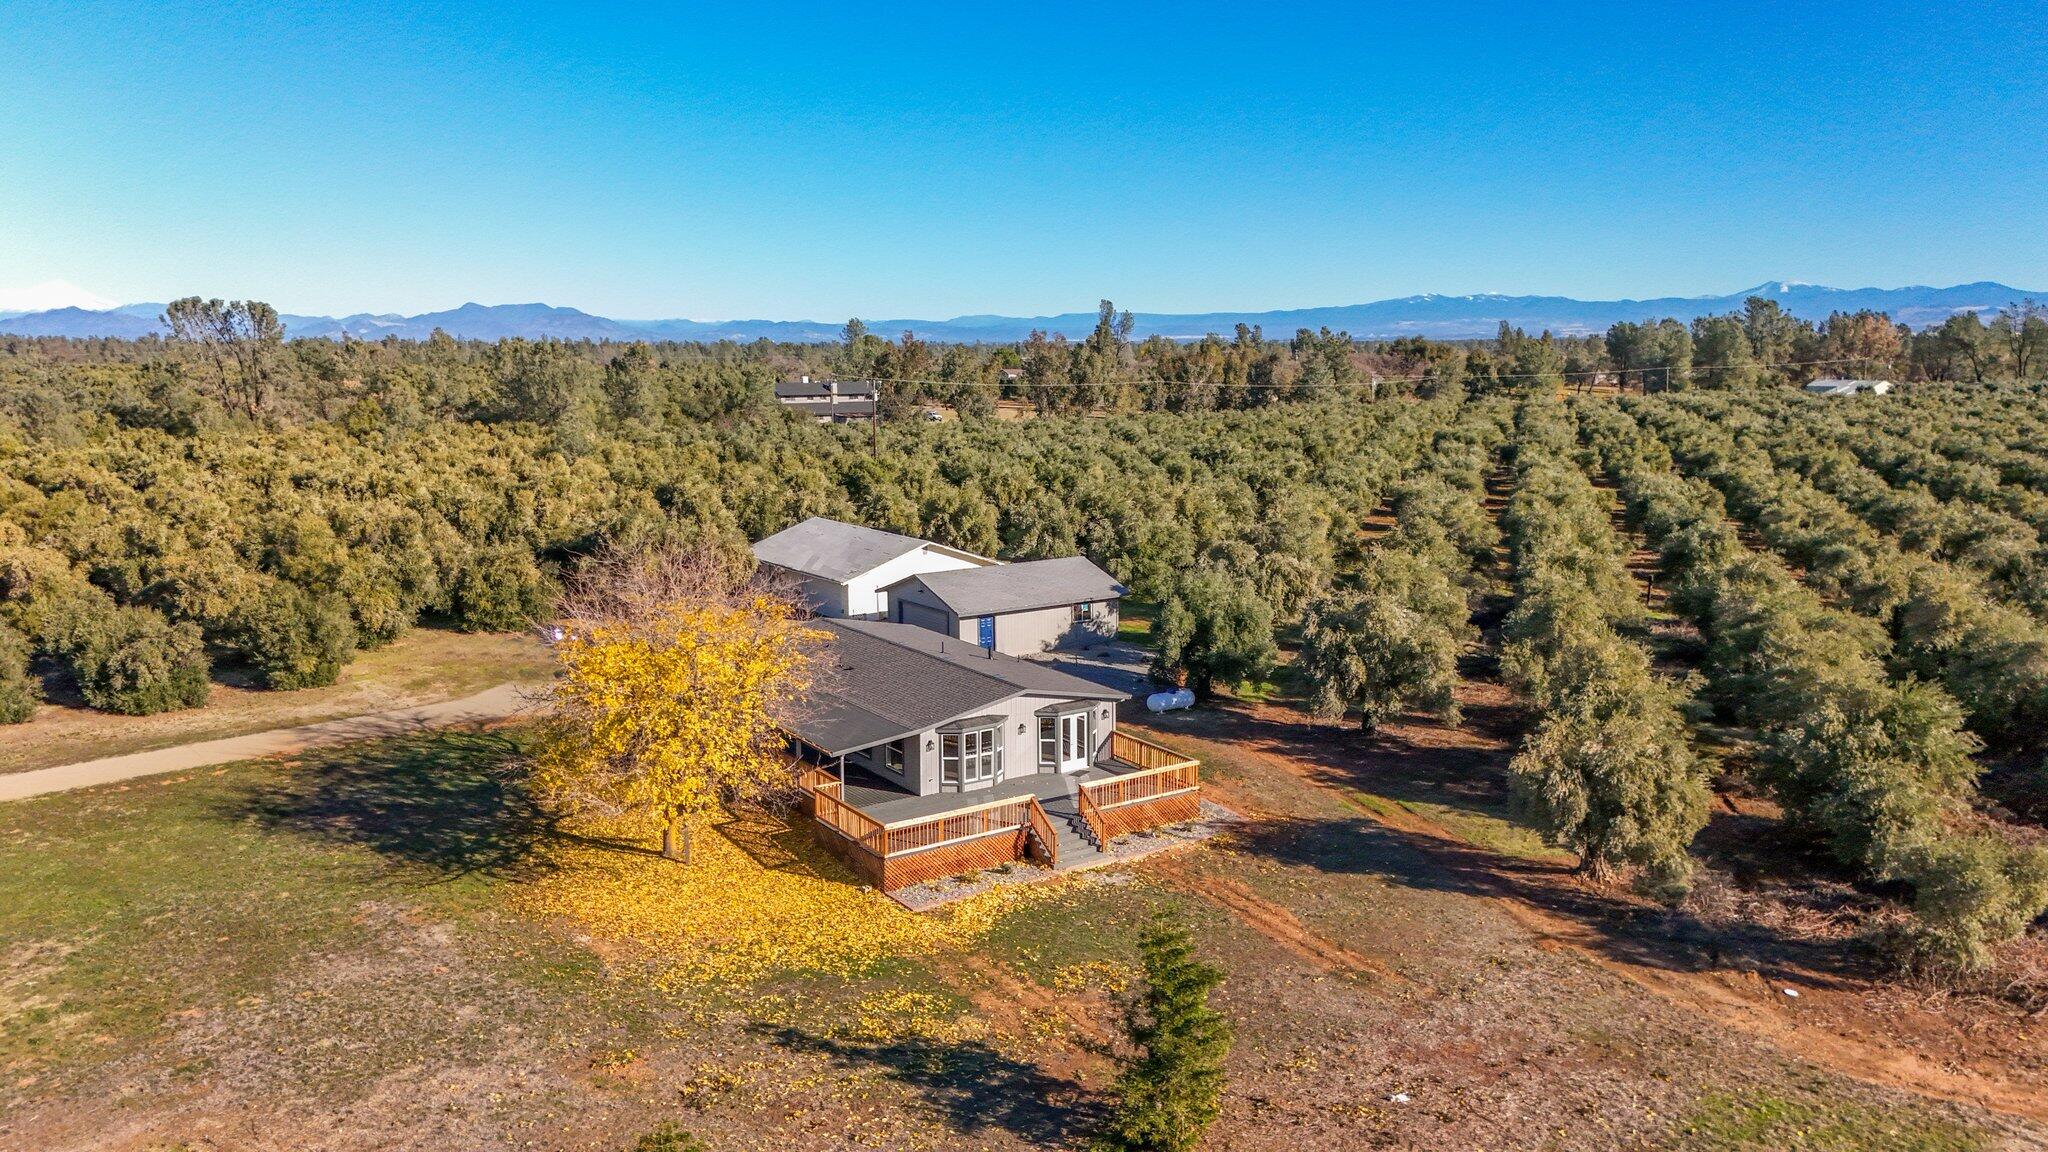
<point>903,841</point>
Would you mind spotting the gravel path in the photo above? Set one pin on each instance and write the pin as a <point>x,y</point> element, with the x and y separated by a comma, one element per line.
<point>491,704</point>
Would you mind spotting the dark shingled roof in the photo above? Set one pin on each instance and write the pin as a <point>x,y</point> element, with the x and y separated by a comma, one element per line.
<point>799,390</point>
<point>833,549</point>
<point>1022,586</point>
<point>883,681</point>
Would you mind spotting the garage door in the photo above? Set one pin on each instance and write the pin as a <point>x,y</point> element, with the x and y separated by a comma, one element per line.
<point>922,615</point>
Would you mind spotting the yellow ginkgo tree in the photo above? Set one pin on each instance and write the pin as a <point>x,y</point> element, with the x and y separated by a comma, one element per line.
<point>674,669</point>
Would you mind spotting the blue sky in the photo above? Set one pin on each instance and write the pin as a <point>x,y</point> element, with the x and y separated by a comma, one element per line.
<point>949,159</point>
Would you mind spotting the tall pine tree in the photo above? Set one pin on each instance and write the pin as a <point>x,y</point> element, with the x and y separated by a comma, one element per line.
<point>1168,1093</point>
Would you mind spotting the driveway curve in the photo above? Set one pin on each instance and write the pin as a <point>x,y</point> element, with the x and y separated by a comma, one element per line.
<point>491,704</point>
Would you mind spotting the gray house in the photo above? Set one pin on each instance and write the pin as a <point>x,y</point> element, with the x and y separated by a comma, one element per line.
<point>926,714</point>
<point>1019,609</point>
<point>826,400</point>
<point>931,755</point>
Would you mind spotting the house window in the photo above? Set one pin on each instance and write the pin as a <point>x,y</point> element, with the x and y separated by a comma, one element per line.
<point>971,757</point>
<point>1082,612</point>
<point>1048,742</point>
<point>892,756</point>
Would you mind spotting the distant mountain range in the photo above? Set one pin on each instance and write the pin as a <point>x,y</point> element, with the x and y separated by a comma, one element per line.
<point>1440,317</point>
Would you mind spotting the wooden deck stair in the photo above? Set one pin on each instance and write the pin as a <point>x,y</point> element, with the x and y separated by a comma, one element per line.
<point>1077,846</point>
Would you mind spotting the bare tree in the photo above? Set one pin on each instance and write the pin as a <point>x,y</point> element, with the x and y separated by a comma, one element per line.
<point>245,333</point>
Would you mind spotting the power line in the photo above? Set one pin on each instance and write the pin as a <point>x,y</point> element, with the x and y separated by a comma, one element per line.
<point>1593,373</point>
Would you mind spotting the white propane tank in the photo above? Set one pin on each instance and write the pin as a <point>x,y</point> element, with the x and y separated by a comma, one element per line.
<point>1168,701</point>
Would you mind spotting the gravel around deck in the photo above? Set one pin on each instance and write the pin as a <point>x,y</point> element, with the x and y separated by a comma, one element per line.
<point>1215,819</point>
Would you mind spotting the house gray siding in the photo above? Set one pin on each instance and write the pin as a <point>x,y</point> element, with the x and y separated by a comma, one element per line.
<point>1017,633</point>
<point>1020,749</point>
<point>912,603</point>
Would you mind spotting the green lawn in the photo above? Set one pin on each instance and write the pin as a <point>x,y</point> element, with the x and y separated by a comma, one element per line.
<point>149,919</point>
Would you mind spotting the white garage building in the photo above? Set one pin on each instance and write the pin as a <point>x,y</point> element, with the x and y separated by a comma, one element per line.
<point>845,569</point>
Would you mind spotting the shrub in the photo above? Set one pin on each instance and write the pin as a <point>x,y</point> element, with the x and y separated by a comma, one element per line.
<point>135,662</point>
<point>1971,893</point>
<point>501,590</point>
<point>295,639</point>
<point>668,1138</point>
<point>19,692</point>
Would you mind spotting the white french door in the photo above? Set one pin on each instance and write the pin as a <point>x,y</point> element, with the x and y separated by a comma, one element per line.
<point>1073,742</point>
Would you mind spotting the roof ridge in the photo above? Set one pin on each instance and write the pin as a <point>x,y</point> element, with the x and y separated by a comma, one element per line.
<point>993,655</point>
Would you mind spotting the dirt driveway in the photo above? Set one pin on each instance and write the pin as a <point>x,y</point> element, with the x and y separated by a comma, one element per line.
<point>491,704</point>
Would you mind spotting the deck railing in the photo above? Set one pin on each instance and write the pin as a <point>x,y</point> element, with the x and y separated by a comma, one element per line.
<point>1139,752</point>
<point>1041,826</point>
<point>1092,817</point>
<point>828,809</point>
<point>931,831</point>
<point>918,832</point>
<point>1160,772</point>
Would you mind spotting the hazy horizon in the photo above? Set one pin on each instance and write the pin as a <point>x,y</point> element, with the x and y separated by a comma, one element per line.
<point>639,165</point>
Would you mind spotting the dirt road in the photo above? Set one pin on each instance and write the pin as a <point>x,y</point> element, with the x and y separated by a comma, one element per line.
<point>491,704</point>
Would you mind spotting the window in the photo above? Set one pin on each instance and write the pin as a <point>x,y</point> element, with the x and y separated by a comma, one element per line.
<point>892,756</point>
<point>1048,742</point>
<point>971,757</point>
<point>1081,612</point>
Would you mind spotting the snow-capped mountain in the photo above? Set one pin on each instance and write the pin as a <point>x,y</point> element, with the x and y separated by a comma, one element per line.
<point>1441,317</point>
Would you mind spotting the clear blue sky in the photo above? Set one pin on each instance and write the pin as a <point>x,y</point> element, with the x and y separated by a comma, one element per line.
<point>953,159</point>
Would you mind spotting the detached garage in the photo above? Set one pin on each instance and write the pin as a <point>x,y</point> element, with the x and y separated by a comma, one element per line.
<point>1016,609</point>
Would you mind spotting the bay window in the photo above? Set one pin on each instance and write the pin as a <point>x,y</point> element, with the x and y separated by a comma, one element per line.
<point>970,756</point>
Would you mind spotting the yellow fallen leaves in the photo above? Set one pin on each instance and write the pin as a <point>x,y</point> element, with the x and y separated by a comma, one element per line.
<point>759,897</point>
<point>887,1017</point>
<point>1106,976</point>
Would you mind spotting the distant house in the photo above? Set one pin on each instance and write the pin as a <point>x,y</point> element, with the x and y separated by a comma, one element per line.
<point>827,400</point>
<point>1834,386</point>
<point>1019,609</point>
<point>931,756</point>
<point>844,570</point>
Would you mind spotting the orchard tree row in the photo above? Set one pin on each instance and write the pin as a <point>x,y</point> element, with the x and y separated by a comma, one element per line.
<point>1609,770</point>
<point>1943,623</point>
<point>1385,639</point>
<point>1878,769</point>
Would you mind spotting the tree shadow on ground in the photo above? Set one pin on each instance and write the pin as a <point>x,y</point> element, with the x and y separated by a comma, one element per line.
<point>1411,764</point>
<point>1615,923</point>
<point>445,803</point>
<point>454,803</point>
<point>773,841</point>
<point>975,1087</point>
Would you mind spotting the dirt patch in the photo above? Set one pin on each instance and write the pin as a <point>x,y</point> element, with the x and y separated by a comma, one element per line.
<point>1845,1017</point>
<point>1274,922</point>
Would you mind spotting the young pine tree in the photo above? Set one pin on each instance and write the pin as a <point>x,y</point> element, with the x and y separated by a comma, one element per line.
<point>1168,1093</point>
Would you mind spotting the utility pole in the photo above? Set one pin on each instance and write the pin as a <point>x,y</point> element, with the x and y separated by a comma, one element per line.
<point>875,424</point>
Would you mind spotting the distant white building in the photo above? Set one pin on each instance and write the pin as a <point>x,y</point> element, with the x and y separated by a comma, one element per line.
<point>1835,386</point>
